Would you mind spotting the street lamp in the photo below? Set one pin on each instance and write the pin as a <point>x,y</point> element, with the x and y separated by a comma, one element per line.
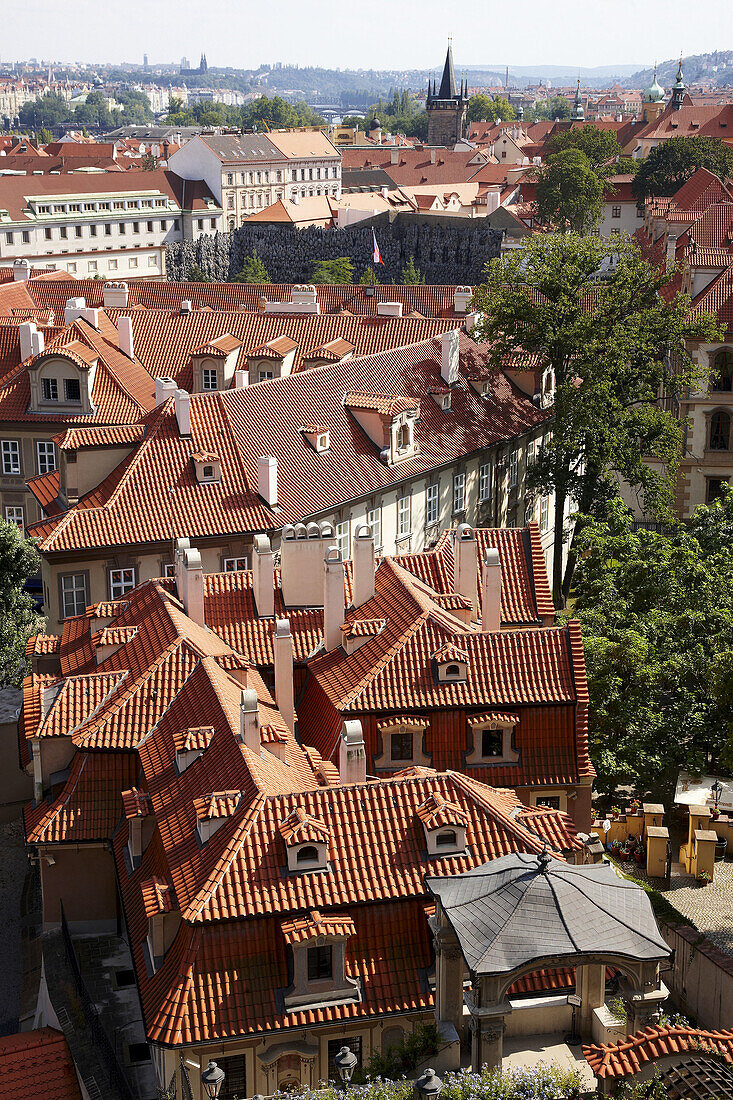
<point>345,1062</point>
<point>212,1079</point>
<point>717,789</point>
<point>428,1085</point>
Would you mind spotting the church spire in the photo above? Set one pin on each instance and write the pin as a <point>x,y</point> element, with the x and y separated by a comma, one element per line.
<point>578,113</point>
<point>448,88</point>
<point>678,89</point>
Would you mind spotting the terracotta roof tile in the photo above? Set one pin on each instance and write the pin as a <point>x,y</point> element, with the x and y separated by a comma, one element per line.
<point>37,1063</point>
<point>630,1055</point>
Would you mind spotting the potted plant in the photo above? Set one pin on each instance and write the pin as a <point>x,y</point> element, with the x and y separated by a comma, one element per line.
<point>640,854</point>
<point>634,807</point>
<point>714,813</point>
<point>615,813</point>
<point>704,877</point>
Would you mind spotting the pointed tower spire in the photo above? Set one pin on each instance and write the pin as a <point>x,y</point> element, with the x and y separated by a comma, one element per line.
<point>448,83</point>
<point>678,89</point>
<point>577,112</point>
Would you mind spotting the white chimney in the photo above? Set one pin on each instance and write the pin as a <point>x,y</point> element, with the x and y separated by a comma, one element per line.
<point>73,309</point>
<point>249,720</point>
<point>465,567</point>
<point>183,411</point>
<point>267,479</point>
<point>21,271</point>
<point>363,567</point>
<point>284,686</point>
<point>333,598</point>
<point>116,295</point>
<point>38,343</point>
<point>493,197</point>
<point>352,753</point>
<point>186,307</point>
<point>241,379</point>
<point>449,357</point>
<point>164,388</point>
<point>124,336</point>
<point>182,544</point>
<point>26,332</point>
<point>389,309</point>
<point>462,295</point>
<point>394,156</point>
<point>491,592</point>
<point>263,577</point>
<point>433,155</point>
<point>192,583</point>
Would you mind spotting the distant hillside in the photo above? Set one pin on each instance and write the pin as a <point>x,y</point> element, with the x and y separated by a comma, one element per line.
<point>716,67</point>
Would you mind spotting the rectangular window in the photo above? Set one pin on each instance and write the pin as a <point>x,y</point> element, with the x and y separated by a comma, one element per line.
<point>513,469</point>
<point>212,222</point>
<point>133,261</point>
<point>551,801</point>
<point>374,519</point>
<point>266,375</point>
<point>459,493</point>
<point>152,261</point>
<point>400,746</point>
<point>107,229</point>
<point>120,581</point>
<point>14,515</point>
<point>26,237</point>
<point>163,226</point>
<point>73,595</point>
<point>615,211</point>
<point>234,1086</point>
<point>71,268</point>
<point>431,505</point>
<point>77,231</point>
<point>342,539</point>
<point>234,565</point>
<point>150,227</point>
<point>200,223</point>
<point>11,456</point>
<point>714,488</point>
<point>403,517</point>
<point>492,743</point>
<point>9,238</point>
<point>484,481</point>
<point>92,230</point>
<point>63,233</point>
<point>136,227</point>
<point>92,265</point>
<point>320,963</point>
<point>544,511</point>
<point>48,233</point>
<point>46,454</point>
<point>113,265</point>
<point>49,389</point>
<point>208,378</point>
<point>169,569</point>
<point>72,389</point>
<point>122,227</point>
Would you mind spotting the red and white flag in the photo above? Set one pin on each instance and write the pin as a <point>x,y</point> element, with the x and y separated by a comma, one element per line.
<point>377,256</point>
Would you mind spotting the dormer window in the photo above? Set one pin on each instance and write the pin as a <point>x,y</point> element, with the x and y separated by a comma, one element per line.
<point>213,811</point>
<point>318,436</point>
<point>207,467</point>
<point>451,664</point>
<point>190,745</point>
<point>445,824</point>
<point>403,739</point>
<point>491,738</point>
<point>442,397</point>
<point>318,943</point>
<point>307,841</point>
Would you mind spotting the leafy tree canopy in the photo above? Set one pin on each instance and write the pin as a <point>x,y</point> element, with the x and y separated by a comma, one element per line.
<point>253,270</point>
<point>671,164</point>
<point>196,275</point>
<point>340,271</point>
<point>411,275</point>
<point>604,340</point>
<point>569,193</point>
<point>481,108</point>
<point>657,617</point>
<point>18,616</point>
<point>368,277</point>
<point>599,146</point>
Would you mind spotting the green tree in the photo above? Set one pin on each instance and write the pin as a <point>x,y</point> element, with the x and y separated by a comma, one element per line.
<point>481,108</point>
<point>48,110</point>
<point>555,107</point>
<point>253,270</point>
<point>671,164</point>
<point>18,616</point>
<point>604,338</point>
<point>657,618</point>
<point>196,275</point>
<point>149,163</point>
<point>339,271</point>
<point>44,136</point>
<point>600,146</point>
<point>569,193</point>
<point>411,275</point>
<point>369,277</point>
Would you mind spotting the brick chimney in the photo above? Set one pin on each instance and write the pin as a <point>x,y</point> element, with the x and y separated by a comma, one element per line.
<point>249,720</point>
<point>352,753</point>
<point>284,686</point>
<point>465,558</point>
<point>491,594</point>
<point>263,577</point>
<point>363,569</point>
<point>449,356</point>
<point>333,598</point>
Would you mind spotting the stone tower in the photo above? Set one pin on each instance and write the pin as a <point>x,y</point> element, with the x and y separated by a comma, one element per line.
<point>447,106</point>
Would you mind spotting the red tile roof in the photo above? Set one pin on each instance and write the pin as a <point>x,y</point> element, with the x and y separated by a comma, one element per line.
<point>90,804</point>
<point>315,925</point>
<point>628,1056</point>
<point>37,1064</point>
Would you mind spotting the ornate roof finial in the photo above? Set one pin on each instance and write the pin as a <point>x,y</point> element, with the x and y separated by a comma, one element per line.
<point>544,858</point>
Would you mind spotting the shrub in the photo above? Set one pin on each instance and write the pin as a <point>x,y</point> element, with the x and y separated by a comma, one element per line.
<point>544,1081</point>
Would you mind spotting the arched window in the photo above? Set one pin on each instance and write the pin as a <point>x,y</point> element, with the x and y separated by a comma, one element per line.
<point>403,437</point>
<point>446,839</point>
<point>309,854</point>
<point>452,672</point>
<point>720,431</point>
<point>723,367</point>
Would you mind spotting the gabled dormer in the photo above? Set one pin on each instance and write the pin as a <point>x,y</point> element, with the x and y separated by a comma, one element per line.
<point>318,944</point>
<point>491,739</point>
<point>389,421</point>
<point>443,397</point>
<point>274,359</point>
<point>306,841</point>
<point>138,810</point>
<point>402,742</point>
<point>62,379</point>
<point>213,364</point>
<point>359,632</point>
<point>213,811</point>
<point>335,351</point>
<point>319,437</point>
<point>207,467</point>
<point>191,744</point>
<point>164,918</point>
<point>445,826</point>
<point>451,664</point>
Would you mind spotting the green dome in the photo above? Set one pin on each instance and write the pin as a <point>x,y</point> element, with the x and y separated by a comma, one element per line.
<point>655,92</point>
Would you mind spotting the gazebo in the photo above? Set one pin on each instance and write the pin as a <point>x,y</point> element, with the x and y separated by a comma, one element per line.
<point>522,913</point>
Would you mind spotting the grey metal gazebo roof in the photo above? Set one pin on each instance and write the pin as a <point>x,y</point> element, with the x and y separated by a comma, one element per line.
<point>521,908</point>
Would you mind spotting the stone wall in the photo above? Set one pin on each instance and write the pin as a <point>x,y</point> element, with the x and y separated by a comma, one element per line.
<point>701,981</point>
<point>444,253</point>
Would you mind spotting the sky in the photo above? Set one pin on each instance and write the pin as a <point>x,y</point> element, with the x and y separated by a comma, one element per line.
<point>403,34</point>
